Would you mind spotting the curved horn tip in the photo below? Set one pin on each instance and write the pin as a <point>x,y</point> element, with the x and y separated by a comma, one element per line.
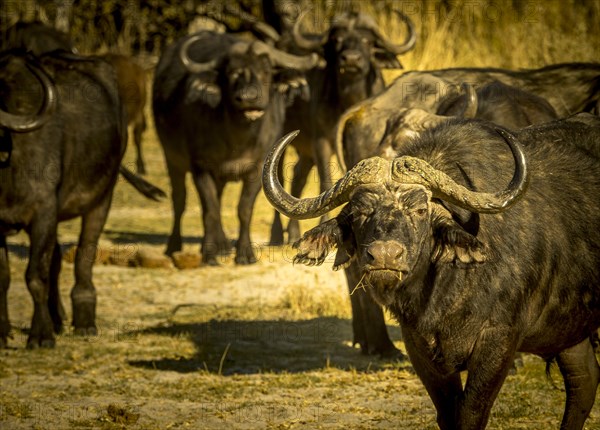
<point>303,42</point>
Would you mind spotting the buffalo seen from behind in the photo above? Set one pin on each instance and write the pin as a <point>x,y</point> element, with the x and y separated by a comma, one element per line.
<point>471,273</point>
<point>355,51</point>
<point>219,102</point>
<point>418,100</point>
<point>39,39</point>
<point>59,164</point>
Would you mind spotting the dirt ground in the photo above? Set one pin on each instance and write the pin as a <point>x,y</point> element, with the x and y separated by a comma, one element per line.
<point>228,347</point>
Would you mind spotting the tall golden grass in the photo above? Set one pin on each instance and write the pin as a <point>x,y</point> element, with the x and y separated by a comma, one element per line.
<point>487,33</point>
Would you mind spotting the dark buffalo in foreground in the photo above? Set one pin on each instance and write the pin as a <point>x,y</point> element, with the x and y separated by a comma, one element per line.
<point>496,102</point>
<point>56,165</point>
<point>131,78</point>
<point>219,102</point>
<point>473,272</point>
<point>414,98</point>
<point>355,51</point>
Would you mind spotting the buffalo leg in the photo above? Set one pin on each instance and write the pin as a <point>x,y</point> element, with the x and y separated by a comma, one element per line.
<point>445,390</point>
<point>178,197</point>
<point>42,234</point>
<point>276,236</point>
<point>214,242</point>
<point>490,362</point>
<point>244,252</point>
<point>368,322</point>
<point>301,172</point>
<point>55,306</point>
<point>83,294</point>
<point>580,371</point>
<point>4,284</point>
<point>138,129</point>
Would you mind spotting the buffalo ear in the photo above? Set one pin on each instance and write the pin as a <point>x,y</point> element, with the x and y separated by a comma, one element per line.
<point>200,90</point>
<point>314,245</point>
<point>385,60</point>
<point>453,244</point>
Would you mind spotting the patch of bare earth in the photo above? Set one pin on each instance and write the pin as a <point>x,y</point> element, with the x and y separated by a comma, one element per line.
<point>228,347</point>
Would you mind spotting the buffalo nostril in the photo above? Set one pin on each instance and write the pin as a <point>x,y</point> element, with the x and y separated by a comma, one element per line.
<point>385,253</point>
<point>350,57</point>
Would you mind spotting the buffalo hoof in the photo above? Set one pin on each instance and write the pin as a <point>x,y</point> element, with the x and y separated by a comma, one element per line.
<point>209,260</point>
<point>244,260</point>
<point>85,331</point>
<point>388,352</point>
<point>173,245</point>
<point>35,342</point>
<point>57,327</point>
<point>3,342</point>
<point>394,355</point>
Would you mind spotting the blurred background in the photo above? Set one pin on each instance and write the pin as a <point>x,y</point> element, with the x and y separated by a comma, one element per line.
<point>502,33</point>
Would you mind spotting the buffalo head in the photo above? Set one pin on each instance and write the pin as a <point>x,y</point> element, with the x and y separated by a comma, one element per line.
<point>354,43</point>
<point>401,215</point>
<point>242,75</point>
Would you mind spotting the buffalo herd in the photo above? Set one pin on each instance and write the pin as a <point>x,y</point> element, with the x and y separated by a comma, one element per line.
<point>469,206</point>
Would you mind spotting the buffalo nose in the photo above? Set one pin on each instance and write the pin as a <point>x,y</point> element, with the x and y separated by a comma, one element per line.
<point>350,58</point>
<point>385,253</point>
<point>248,94</point>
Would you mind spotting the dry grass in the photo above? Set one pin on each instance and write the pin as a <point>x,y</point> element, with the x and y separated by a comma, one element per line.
<point>491,33</point>
<point>266,346</point>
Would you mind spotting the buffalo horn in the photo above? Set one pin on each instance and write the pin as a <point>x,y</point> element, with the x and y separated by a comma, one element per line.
<point>397,49</point>
<point>283,59</point>
<point>25,123</point>
<point>416,171</point>
<point>191,65</point>
<point>304,42</point>
<point>367,171</point>
<point>405,169</point>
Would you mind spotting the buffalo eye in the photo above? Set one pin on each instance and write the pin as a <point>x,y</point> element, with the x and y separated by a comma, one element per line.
<point>420,212</point>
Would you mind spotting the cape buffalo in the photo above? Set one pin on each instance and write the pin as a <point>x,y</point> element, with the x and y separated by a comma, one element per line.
<point>473,272</point>
<point>496,102</point>
<point>355,51</point>
<point>56,165</point>
<point>219,102</point>
<point>38,38</point>
<point>569,88</point>
<point>402,108</point>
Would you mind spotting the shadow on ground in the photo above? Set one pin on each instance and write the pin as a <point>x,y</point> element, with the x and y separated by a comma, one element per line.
<point>249,347</point>
<point>128,237</point>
